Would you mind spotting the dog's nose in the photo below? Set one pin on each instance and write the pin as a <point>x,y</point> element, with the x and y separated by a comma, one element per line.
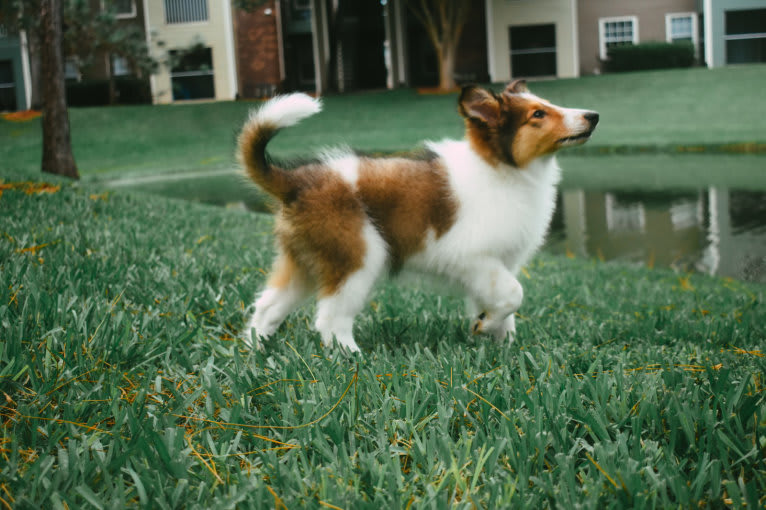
<point>592,117</point>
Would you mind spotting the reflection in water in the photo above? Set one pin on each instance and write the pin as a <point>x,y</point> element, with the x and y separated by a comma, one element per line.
<point>718,231</point>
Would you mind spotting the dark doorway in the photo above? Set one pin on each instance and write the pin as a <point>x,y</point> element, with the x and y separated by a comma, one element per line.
<point>299,50</point>
<point>299,46</point>
<point>533,50</point>
<point>359,47</point>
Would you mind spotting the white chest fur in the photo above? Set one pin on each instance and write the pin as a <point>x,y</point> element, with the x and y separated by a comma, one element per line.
<point>503,213</point>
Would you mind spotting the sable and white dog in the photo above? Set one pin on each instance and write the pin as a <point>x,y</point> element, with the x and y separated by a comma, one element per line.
<point>470,212</point>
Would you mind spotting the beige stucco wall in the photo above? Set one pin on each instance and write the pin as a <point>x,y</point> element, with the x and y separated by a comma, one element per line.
<point>216,33</point>
<point>502,14</point>
<point>651,23</point>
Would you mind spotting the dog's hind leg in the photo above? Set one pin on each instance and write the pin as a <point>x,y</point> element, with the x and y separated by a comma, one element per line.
<point>285,290</point>
<point>336,310</point>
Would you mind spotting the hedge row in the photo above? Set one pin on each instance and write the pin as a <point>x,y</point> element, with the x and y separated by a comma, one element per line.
<point>652,55</point>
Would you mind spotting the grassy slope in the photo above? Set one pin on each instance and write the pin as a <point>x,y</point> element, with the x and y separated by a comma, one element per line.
<point>652,109</point>
<point>123,384</point>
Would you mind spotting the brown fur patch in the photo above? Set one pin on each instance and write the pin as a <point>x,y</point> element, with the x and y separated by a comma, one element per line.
<point>406,198</point>
<point>491,122</point>
<point>321,228</point>
<point>284,271</point>
<point>537,137</point>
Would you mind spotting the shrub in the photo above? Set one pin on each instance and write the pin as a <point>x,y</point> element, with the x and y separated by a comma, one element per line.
<point>652,55</point>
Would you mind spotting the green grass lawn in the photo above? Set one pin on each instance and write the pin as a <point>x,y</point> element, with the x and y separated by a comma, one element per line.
<point>123,383</point>
<point>693,109</point>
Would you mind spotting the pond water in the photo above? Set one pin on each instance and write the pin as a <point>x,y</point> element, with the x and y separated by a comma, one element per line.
<point>714,230</point>
<point>717,231</point>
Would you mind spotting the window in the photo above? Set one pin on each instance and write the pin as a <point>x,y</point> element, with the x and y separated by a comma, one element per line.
<point>533,50</point>
<point>185,11</point>
<point>300,9</point>
<point>120,8</point>
<point>686,213</point>
<point>745,36</point>
<point>681,27</point>
<point>191,73</point>
<point>120,66</point>
<point>7,87</point>
<point>616,32</point>
<point>624,215</point>
<point>72,69</point>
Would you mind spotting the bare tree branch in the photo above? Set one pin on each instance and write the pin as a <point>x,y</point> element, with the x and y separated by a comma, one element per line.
<point>443,21</point>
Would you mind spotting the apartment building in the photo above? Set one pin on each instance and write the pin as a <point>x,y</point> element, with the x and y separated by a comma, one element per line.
<point>734,31</point>
<point>606,23</point>
<point>209,50</point>
<point>215,52</point>
<point>15,79</point>
<point>532,38</point>
<point>105,65</point>
<point>567,38</point>
<point>194,42</point>
<point>260,50</point>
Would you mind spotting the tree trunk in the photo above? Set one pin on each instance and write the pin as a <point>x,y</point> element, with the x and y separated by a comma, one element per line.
<point>57,144</point>
<point>447,67</point>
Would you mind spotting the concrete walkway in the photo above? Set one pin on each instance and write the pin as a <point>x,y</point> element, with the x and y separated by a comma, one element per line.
<point>170,177</point>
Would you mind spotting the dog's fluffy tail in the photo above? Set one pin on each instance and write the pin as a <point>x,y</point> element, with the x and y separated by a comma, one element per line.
<point>260,127</point>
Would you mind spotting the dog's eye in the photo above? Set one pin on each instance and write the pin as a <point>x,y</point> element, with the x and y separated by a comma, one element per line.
<point>539,114</point>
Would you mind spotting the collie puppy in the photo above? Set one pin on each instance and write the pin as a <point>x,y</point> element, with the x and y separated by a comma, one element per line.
<point>470,212</point>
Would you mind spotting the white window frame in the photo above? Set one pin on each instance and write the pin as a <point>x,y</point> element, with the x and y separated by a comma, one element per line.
<point>72,69</point>
<point>125,15</point>
<point>669,17</point>
<point>624,218</point>
<point>686,214</point>
<point>120,66</point>
<point>602,31</point>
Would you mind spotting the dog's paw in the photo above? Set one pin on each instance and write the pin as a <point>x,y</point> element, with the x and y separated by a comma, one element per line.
<point>478,326</point>
<point>500,330</point>
<point>252,340</point>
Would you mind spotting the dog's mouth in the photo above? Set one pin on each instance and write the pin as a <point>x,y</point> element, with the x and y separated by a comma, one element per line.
<point>575,140</point>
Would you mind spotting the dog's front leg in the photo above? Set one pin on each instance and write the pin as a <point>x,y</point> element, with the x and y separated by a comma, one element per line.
<point>497,294</point>
<point>506,331</point>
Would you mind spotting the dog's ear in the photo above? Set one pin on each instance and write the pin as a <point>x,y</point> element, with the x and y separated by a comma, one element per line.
<point>479,104</point>
<point>517,87</point>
